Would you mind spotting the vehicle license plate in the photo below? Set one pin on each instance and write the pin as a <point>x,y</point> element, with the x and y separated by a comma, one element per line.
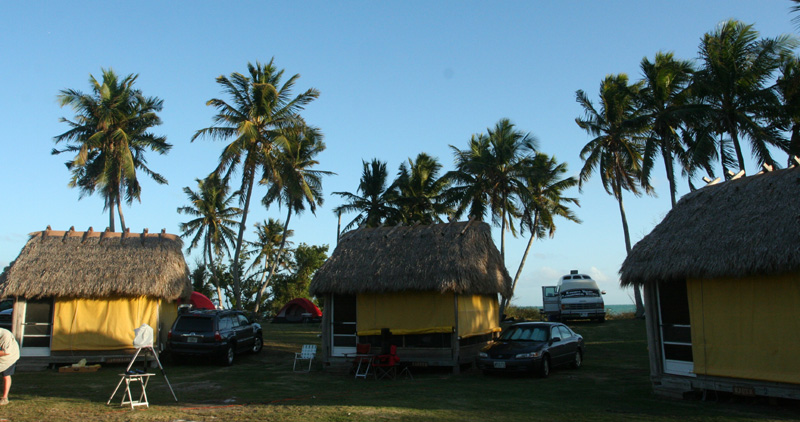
<point>584,314</point>
<point>499,365</point>
<point>191,340</point>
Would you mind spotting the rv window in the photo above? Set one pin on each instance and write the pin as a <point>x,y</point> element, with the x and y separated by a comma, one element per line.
<point>580,293</point>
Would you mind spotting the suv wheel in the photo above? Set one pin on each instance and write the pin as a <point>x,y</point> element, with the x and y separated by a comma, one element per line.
<point>227,355</point>
<point>258,344</point>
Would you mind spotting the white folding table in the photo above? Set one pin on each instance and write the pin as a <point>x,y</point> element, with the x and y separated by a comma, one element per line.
<point>142,379</point>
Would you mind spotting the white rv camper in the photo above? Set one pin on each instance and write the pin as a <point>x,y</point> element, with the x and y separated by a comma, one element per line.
<point>575,297</point>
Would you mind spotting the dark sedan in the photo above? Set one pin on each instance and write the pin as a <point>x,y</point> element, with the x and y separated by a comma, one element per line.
<point>532,347</point>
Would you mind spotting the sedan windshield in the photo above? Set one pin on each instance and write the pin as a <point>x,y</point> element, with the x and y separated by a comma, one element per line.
<point>525,334</point>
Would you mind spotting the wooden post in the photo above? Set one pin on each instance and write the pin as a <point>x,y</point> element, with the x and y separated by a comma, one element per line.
<point>455,346</point>
<point>325,346</point>
<point>653,335</point>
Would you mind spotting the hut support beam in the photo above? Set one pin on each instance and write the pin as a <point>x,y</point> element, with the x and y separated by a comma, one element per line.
<point>456,346</point>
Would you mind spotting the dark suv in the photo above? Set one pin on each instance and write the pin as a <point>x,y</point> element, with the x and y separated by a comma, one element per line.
<point>217,333</point>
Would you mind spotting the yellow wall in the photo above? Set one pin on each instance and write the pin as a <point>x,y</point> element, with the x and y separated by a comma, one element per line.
<point>746,328</point>
<point>426,312</point>
<point>101,324</point>
<point>478,315</point>
<point>168,313</point>
<point>405,313</point>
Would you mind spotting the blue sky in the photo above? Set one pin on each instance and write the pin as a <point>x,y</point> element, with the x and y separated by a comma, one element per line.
<point>396,79</point>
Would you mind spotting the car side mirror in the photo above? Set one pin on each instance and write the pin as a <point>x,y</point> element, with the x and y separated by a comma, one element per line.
<point>603,292</point>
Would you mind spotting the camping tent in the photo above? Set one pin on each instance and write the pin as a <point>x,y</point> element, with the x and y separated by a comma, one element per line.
<point>298,310</point>
<point>201,301</point>
<point>721,275</point>
<point>433,287</point>
<point>83,293</point>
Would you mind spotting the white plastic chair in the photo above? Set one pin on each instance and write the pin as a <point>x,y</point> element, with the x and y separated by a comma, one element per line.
<point>307,353</point>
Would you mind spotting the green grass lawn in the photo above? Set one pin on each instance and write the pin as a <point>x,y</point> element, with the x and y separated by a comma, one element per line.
<point>612,385</point>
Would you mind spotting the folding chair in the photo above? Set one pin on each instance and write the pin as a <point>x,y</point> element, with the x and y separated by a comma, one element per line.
<point>362,361</point>
<point>307,353</point>
<point>385,365</point>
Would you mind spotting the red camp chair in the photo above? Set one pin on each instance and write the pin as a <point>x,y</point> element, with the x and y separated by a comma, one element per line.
<point>386,365</point>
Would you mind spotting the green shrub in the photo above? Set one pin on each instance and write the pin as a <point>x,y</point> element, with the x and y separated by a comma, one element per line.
<point>527,313</point>
<point>620,315</point>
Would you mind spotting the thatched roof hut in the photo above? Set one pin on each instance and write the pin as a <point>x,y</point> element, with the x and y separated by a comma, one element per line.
<point>98,265</point>
<point>720,276</point>
<point>87,291</point>
<point>733,229</point>
<point>431,289</point>
<point>455,257</point>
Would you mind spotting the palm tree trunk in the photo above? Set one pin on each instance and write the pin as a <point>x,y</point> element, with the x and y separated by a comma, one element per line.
<point>121,217</point>
<point>237,283</point>
<point>110,204</point>
<point>213,270</point>
<point>503,229</point>
<point>735,139</point>
<point>277,258</point>
<point>505,301</point>
<point>670,168</point>
<point>637,293</point>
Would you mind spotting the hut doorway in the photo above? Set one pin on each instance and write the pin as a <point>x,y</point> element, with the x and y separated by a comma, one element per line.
<point>675,327</point>
<point>37,327</point>
<point>343,324</point>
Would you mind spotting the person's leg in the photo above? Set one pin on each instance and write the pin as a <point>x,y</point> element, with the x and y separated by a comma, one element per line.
<point>6,386</point>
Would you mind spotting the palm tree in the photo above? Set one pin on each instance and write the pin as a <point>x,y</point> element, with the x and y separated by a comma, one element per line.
<point>733,83</point>
<point>292,181</point>
<point>788,86</point>
<point>542,200</point>
<point>664,99</point>
<point>211,204</point>
<point>489,173</point>
<point>616,151</point>
<point>109,136</point>
<point>417,192</point>
<point>265,250</point>
<point>372,205</point>
<point>261,107</point>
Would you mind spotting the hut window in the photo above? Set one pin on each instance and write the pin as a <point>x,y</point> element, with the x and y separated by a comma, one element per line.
<point>433,340</point>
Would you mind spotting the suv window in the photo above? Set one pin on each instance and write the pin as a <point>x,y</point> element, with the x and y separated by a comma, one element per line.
<point>243,321</point>
<point>225,323</point>
<point>194,324</point>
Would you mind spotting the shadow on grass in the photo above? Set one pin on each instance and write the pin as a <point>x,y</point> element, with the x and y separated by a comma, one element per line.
<point>613,383</point>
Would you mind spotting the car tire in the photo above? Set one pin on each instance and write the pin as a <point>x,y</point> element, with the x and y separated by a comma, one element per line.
<point>544,369</point>
<point>228,355</point>
<point>578,361</point>
<point>258,344</point>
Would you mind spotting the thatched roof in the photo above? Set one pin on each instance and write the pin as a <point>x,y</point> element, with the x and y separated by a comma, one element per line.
<point>453,257</point>
<point>98,264</point>
<point>739,228</point>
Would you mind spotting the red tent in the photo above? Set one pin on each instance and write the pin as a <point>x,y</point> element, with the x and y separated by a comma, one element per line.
<point>200,301</point>
<point>298,310</point>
